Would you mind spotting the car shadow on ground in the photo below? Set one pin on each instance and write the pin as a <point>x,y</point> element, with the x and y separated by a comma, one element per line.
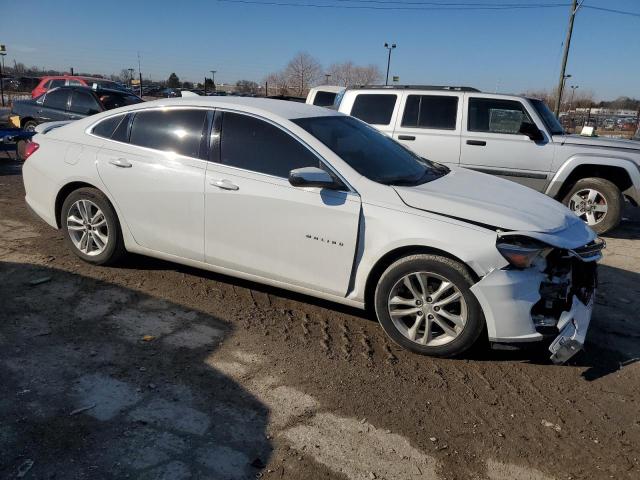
<point>100,381</point>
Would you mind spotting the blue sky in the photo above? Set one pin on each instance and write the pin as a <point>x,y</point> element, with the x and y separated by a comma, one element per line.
<point>513,50</point>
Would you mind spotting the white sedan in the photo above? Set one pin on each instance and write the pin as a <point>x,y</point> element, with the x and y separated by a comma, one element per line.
<point>310,200</point>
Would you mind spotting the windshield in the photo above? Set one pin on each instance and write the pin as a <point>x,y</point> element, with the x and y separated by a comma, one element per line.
<point>370,153</point>
<point>548,117</point>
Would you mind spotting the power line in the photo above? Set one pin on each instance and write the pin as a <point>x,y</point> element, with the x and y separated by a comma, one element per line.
<point>612,10</point>
<point>418,6</point>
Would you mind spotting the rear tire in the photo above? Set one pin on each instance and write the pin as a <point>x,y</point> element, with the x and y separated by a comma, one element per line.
<point>30,125</point>
<point>91,228</point>
<point>445,317</point>
<point>597,201</point>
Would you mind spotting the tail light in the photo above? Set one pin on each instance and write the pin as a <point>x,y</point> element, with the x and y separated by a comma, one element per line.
<point>29,149</point>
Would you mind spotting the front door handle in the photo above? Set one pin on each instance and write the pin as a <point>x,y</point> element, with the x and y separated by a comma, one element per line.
<point>224,184</point>
<point>120,162</point>
<point>478,143</point>
<point>406,137</point>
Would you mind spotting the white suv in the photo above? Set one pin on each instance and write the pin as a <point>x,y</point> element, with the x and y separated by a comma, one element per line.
<point>515,137</point>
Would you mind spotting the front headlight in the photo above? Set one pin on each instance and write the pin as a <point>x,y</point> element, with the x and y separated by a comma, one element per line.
<point>521,252</point>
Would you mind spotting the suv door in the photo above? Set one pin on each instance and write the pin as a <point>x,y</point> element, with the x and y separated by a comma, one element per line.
<point>256,222</point>
<point>492,142</point>
<point>429,124</point>
<point>55,105</point>
<point>157,178</point>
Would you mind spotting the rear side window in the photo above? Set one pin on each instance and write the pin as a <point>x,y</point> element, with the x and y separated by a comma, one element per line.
<point>324,99</point>
<point>57,99</point>
<point>113,100</point>
<point>76,83</point>
<point>430,111</point>
<point>172,130</point>
<point>58,82</point>
<point>84,103</point>
<point>493,115</point>
<point>107,127</point>
<point>374,108</point>
<point>253,144</point>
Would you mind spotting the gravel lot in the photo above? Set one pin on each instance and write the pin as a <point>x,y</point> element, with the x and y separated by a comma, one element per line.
<point>156,371</point>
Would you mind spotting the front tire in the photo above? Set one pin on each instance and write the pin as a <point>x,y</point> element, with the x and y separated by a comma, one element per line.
<point>30,125</point>
<point>91,228</point>
<point>424,303</point>
<point>596,201</point>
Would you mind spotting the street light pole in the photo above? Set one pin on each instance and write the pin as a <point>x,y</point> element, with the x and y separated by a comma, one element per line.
<point>565,55</point>
<point>326,78</point>
<point>573,92</point>
<point>3,52</point>
<point>388,47</point>
<point>131,70</point>
<point>213,78</point>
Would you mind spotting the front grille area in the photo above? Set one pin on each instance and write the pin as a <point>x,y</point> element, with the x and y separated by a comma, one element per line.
<point>568,273</point>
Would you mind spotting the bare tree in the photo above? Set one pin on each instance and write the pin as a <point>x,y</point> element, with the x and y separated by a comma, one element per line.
<point>125,76</point>
<point>302,72</point>
<point>348,74</point>
<point>277,83</point>
<point>246,86</point>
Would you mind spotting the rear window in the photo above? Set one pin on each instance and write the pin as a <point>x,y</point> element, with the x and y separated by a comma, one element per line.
<point>106,127</point>
<point>324,99</point>
<point>376,109</point>
<point>430,111</point>
<point>113,100</point>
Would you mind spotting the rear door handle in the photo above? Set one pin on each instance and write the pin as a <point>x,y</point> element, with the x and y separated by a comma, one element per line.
<point>478,143</point>
<point>120,162</point>
<point>406,137</point>
<point>224,184</point>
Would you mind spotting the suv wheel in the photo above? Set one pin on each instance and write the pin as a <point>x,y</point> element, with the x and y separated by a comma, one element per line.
<point>91,228</point>
<point>424,304</point>
<point>596,201</point>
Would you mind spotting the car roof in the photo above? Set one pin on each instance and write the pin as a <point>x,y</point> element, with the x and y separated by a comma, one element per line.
<point>90,89</point>
<point>268,106</point>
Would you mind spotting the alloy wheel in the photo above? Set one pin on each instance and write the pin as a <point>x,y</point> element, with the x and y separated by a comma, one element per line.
<point>590,205</point>
<point>87,227</point>
<point>427,308</point>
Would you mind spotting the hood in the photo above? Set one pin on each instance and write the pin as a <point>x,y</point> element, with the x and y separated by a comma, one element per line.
<point>601,142</point>
<point>489,201</point>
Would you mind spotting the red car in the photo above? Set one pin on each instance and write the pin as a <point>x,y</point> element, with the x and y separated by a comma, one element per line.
<point>48,83</point>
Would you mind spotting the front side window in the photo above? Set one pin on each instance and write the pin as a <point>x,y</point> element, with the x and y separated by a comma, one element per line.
<point>430,111</point>
<point>170,130</point>
<point>371,153</point>
<point>375,109</point>
<point>83,103</point>
<point>324,99</point>
<point>493,115</point>
<point>57,99</point>
<point>253,144</point>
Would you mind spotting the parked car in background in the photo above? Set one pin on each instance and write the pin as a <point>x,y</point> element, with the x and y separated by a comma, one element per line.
<point>308,199</point>
<point>49,82</point>
<point>67,103</point>
<point>324,95</point>
<point>511,136</point>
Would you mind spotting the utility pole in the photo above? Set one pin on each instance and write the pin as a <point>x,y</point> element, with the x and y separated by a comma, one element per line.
<point>390,47</point>
<point>266,88</point>
<point>213,79</point>
<point>139,74</point>
<point>72,71</point>
<point>567,44</point>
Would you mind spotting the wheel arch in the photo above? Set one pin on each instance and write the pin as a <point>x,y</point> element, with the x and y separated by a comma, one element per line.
<point>66,190</point>
<point>397,253</point>
<point>24,120</point>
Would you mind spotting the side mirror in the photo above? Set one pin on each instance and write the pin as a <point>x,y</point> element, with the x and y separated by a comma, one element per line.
<point>531,131</point>
<point>312,177</point>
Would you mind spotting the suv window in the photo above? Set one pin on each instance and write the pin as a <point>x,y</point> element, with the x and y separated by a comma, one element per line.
<point>430,111</point>
<point>172,130</point>
<point>324,99</point>
<point>84,103</point>
<point>57,99</point>
<point>374,108</point>
<point>253,144</point>
<point>493,115</point>
<point>108,126</point>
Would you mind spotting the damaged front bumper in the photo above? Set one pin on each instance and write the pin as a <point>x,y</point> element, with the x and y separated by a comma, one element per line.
<point>554,301</point>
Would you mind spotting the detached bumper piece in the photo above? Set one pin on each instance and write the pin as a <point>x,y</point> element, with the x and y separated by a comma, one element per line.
<point>573,327</point>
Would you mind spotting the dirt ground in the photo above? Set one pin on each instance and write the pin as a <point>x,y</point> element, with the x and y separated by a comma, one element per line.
<point>152,370</point>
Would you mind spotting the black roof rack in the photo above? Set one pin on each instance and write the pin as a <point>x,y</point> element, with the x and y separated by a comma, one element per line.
<point>419,87</point>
